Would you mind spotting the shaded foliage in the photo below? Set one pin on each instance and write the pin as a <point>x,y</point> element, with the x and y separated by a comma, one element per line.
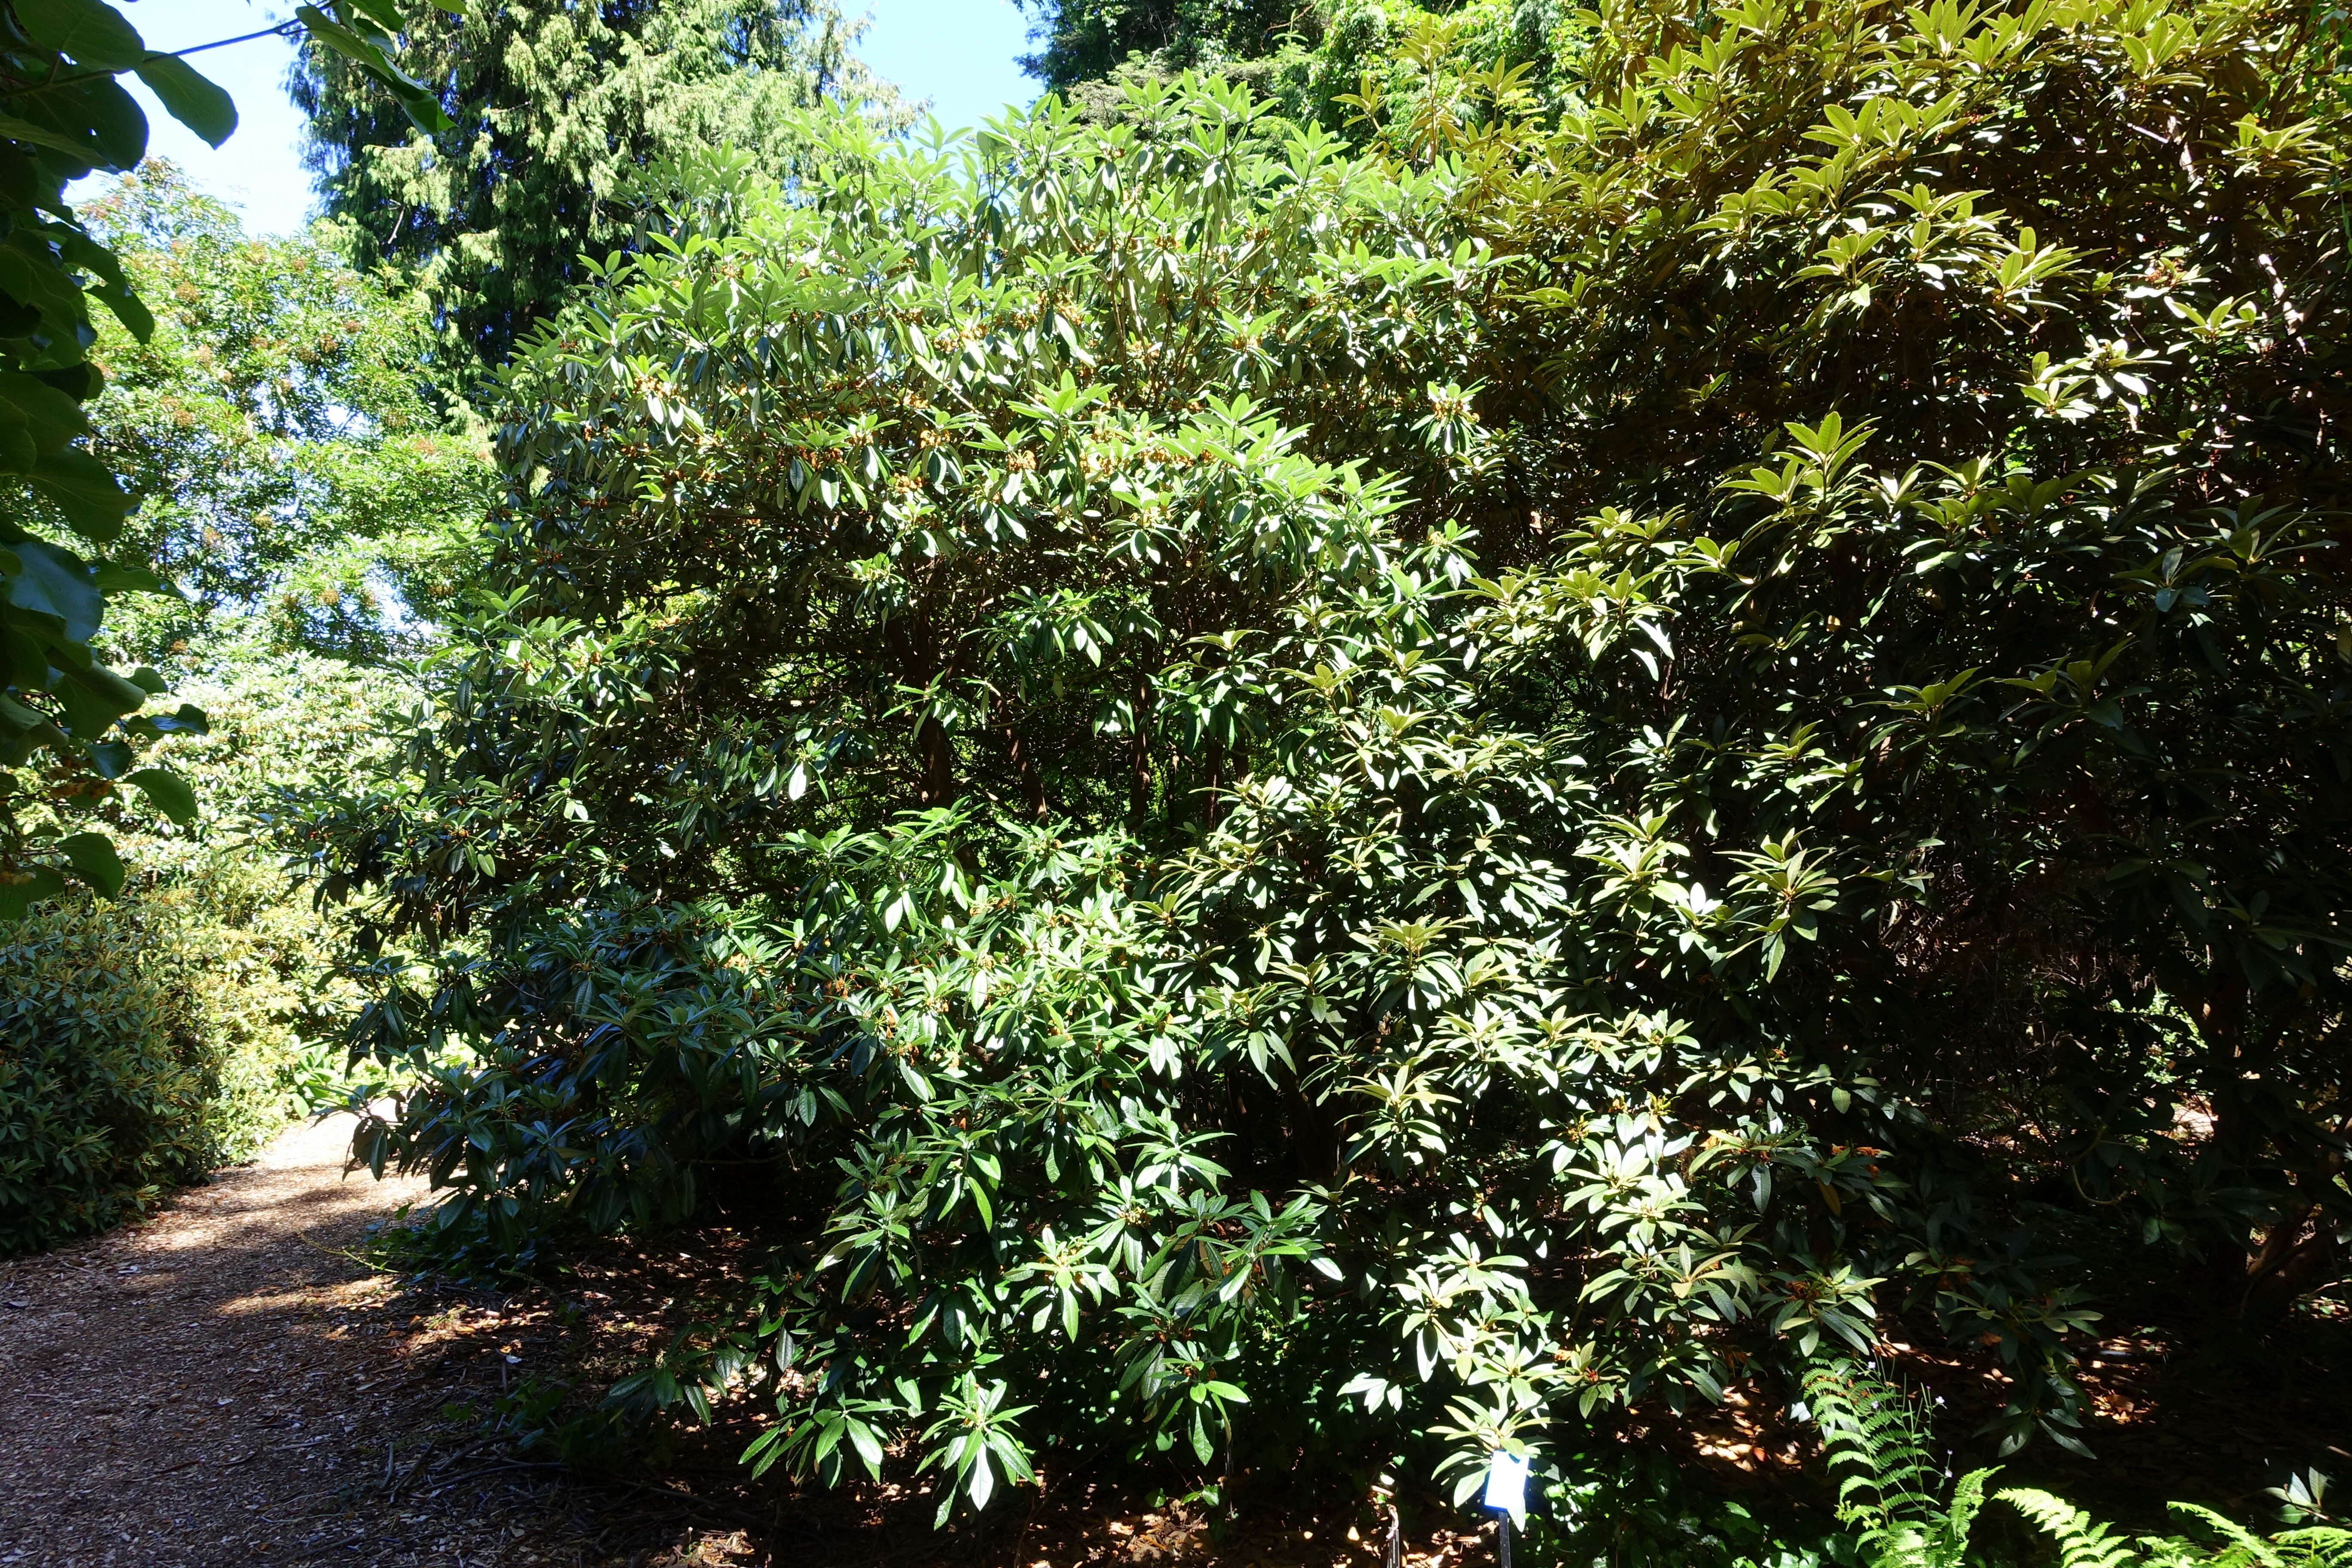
<point>1083,40</point>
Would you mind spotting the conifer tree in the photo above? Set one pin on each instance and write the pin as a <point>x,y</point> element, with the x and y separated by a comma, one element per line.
<point>556,108</point>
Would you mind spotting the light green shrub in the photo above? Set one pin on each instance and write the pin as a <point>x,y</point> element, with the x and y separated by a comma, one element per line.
<point>146,1039</point>
<point>109,1089</point>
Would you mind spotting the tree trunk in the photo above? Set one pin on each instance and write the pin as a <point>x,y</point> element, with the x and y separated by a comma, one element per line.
<point>1139,754</point>
<point>1033,788</point>
<point>938,760</point>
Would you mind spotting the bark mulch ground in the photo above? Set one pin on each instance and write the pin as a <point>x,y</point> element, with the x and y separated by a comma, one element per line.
<point>230,1384</point>
<point>220,1386</point>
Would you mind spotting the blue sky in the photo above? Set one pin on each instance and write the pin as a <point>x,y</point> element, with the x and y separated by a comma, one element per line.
<point>958,54</point>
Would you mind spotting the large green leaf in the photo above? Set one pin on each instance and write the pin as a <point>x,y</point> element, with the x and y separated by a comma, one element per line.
<point>91,33</point>
<point>85,490</point>
<point>16,719</point>
<point>16,897</point>
<point>107,692</point>
<point>415,100</point>
<point>126,577</point>
<point>194,100</point>
<point>80,143</point>
<point>56,582</point>
<point>170,793</point>
<point>23,664</point>
<point>29,274</point>
<point>51,416</point>
<point>93,118</point>
<point>92,855</point>
<point>17,451</point>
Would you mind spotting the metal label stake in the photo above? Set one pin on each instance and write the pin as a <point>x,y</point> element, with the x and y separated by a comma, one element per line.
<point>1506,1494</point>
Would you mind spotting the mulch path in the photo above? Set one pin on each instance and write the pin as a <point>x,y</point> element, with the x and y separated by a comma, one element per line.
<point>230,1384</point>
<point>207,1388</point>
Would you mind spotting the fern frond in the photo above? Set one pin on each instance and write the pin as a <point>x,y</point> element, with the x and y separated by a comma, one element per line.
<point>1951,1545</point>
<point>2317,1546</point>
<point>2083,1541</point>
<point>2245,1546</point>
<point>1871,1435</point>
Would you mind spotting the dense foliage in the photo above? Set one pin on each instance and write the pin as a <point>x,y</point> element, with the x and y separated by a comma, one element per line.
<point>291,471</point>
<point>107,1085</point>
<point>551,112</point>
<point>147,1038</point>
<point>279,423</point>
<point>1435,789</point>
<point>1082,40</point>
<point>64,114</point>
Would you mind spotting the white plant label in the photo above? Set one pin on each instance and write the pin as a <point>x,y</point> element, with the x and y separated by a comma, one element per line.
<point>1506,1483</point>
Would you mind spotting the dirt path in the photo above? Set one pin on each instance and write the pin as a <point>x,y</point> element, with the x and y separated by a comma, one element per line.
<point>227,1386</point>
<point>208,1389</point>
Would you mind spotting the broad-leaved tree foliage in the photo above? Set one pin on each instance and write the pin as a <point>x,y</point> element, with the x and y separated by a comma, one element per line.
<point>66,720</point>
<point>294,464</point>
<point>553,113</point>
<point>1247,797</point>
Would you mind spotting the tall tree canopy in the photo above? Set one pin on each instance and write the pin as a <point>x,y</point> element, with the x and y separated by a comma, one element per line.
<point>555,111</point>
<point>64,114</point>
<point>276,426</point>
<point>1083,40</point>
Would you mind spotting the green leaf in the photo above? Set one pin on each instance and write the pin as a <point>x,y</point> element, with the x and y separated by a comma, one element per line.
<point>80,143</point>
<point>92,855</point>
<point>422,107</point>
<point>85,490</point>
<point>51,416</point>
<point>869,1447</point>
<point>30,274</point>
<point>383,13</point>
<point>129,310</point>
<point>16,897</point>
<point>16,719</point>
<point>119,695</point>
<point>91,33</point>
<point>123,577</point>
<point>56,582</point>
<point>93,119</point>
<point>188,721</point>
<point>170,793</point>
<point>23,664</point>
<point>193,99</point>
<point>80,382</point>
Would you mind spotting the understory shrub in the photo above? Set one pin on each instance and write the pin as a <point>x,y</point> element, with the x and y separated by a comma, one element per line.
<point>1253,797</point>
<point>110,1091</point>
<point>148,1039</point>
